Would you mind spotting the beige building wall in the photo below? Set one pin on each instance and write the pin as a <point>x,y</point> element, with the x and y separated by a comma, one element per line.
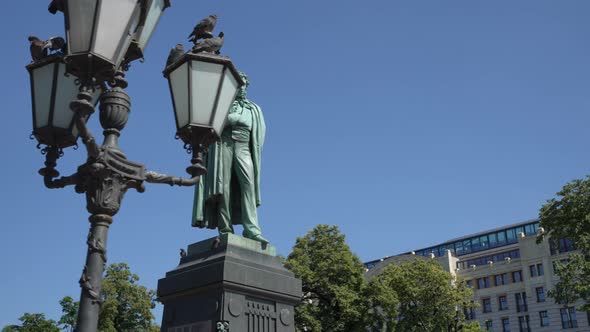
<point>531,253</point>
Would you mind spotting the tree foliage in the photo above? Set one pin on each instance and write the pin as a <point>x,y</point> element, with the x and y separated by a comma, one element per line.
<point>333,282</point>
<point>126,307</point>
<point>33,323</point>
<point>430,298</point>
<point>568,217</point>
<point>69,309</point>
<point>415,296</point>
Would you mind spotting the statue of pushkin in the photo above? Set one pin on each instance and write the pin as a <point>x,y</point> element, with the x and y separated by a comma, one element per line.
<point>229,193</point>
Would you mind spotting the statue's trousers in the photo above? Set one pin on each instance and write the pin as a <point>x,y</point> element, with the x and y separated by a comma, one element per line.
<point>237,154</point>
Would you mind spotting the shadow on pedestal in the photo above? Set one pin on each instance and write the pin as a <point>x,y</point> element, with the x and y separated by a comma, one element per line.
<point>240,286</point>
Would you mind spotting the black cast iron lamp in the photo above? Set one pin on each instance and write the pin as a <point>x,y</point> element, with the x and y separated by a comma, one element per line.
<point>99,35</point>
<point>52,90</point>
<point>203,87</point>
<point>151,12</point>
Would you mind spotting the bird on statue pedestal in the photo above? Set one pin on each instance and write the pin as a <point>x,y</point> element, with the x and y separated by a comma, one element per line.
<point>204,29</point>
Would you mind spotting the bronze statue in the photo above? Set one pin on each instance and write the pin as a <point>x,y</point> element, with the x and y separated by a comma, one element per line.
<point>230,191</point>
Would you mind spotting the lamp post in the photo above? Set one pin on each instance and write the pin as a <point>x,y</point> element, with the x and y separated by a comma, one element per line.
<point>103,37</point>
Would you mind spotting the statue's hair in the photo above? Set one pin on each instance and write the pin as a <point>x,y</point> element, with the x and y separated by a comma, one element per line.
<point>245,78</point>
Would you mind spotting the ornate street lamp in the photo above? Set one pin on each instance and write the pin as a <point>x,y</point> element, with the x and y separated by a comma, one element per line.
<point>52,90</point>
<point>151,12</point>
<point>99,34</point>
<point>203,87</point>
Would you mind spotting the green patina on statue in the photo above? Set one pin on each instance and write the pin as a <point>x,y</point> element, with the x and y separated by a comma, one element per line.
<point>230,191</point>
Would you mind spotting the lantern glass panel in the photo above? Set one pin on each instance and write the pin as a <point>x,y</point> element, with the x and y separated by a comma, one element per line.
<point>81,18</point>
<point>117,22</point>
<point>179,86</point>
<point>226,98</point>
<point>153,17</point>
<point>42,88</point>
<point>205,79</point>
<point>67,91</point>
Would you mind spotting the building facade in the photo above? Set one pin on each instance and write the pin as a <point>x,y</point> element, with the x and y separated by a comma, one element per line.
<point>510,274</point>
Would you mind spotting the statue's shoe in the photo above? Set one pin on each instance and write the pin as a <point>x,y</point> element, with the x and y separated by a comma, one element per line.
<point>260,239</point>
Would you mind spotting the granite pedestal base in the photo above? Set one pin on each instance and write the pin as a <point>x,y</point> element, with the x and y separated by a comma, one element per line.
<point>239,286</point>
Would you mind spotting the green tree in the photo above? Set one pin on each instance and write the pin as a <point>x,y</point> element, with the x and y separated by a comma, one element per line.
<point>430,299</point>
<point>69,309</point>
<point>333,282</point>
<point>127,306</point>
<point>33,323</point>
<point>568,217</point>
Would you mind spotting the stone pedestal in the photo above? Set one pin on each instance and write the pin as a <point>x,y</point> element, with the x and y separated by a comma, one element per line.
<point>240,286</point>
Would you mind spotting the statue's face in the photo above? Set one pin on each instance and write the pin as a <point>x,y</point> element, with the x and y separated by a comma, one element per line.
<point>242,91</point>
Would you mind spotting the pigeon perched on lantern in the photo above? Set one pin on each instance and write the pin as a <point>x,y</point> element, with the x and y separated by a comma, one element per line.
<point>55,6</point>
<point>175,54</point>
<point>210,45</point>
<point>204,29</point>
<point>38,50</point>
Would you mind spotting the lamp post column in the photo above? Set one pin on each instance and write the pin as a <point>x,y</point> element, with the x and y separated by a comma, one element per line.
<point>104,178</point>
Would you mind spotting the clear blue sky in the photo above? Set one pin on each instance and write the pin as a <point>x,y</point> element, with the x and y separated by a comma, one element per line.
<point>406,123</point>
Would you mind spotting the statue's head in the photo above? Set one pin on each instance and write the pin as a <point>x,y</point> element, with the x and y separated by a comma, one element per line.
<point>242,92</point>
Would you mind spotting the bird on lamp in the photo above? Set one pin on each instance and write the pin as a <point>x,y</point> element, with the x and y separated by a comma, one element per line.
<point>204,29</point>
<point>38,49</point>
<point>175,53</point>
<point>211,45</point>
<point>55,6</point>
<point>56,44</point>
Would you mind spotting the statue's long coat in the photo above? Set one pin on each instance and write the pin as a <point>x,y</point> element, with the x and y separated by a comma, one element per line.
<point>209,191</point>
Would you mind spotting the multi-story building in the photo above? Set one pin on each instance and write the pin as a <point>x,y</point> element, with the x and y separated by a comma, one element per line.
<point>510,274</point>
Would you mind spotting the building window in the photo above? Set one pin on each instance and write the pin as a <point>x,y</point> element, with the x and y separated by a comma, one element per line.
<point>483,283</point>
<point>502,303</point>
<point>487,305</point>
<point>540,294</point>
<point>517,276</point>
<point>493,240</point>
<point>511,236</point>
<point>544,318</point>
<point>505,324</point>
<point>489,325</point>
<point>536,270</point>
<point>523,324</point>
<point>568,318</point>
<point>521,304</point>
<point>501,279</point>
<point>469,283</point>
